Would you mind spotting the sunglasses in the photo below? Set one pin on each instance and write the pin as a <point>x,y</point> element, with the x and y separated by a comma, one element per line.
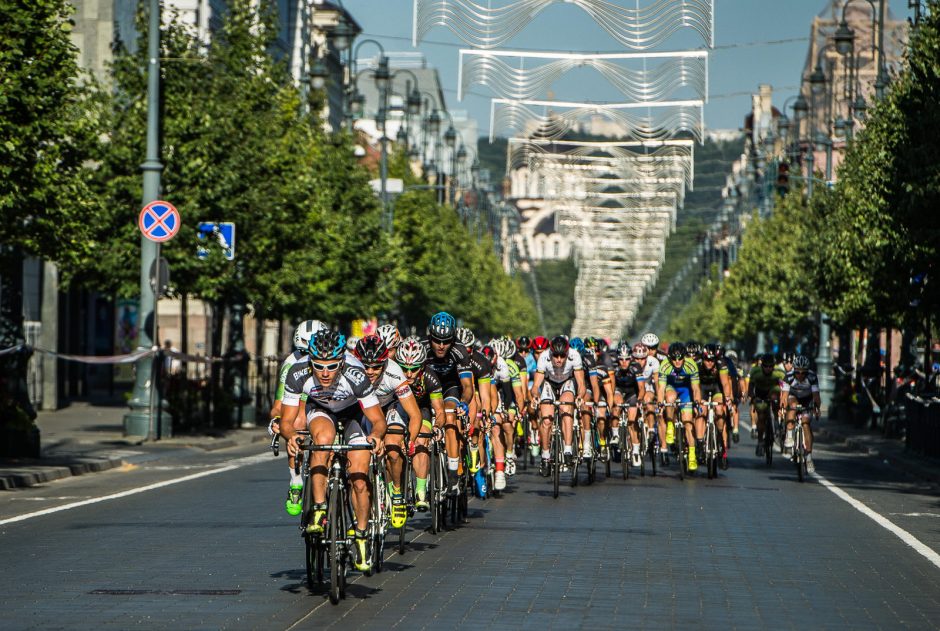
<point>331,367</point>
<point>373,366</point>
<point>407,368</point>
<point>559,355</point>
<point>434,340</point>
<point>799,372</point>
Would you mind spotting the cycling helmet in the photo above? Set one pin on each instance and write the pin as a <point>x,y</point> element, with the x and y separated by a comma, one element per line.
<point>720,349</point>
<point>540,343</point>
<point>560,345</point>
<point>640,351</point>
<point>693,349</point>
<point>371,350</point>
<point>801,362</point>
<point>602,345</point>
<point>676,351</point>
<point>488,352</point>
<point>576,343</point>
<point>625,351</point>
<point>305,331</point>
<point>465,337</point>
<point>351,343</point>
<point>443,327</point>
<point>390,335</point>
<point>767,359</point>
<point>523,343</point>
<point>591,343</point>
<point>710,352</point>
<point>787,357</point>
<point>650,339</point>
<point>327,344</point>
<point>411,352</point>
<point>732,356</point>
<point>507,348</point>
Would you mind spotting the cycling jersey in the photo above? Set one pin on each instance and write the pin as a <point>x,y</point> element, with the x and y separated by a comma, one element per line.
<point>565,372</point>
<point>530,364</point>
<point>763,385</point>
<point>392,385</point>
<point>294,358</point>
<point>683,377</point>
<point>630,380</point>
<point>507,371</point>
<point>450,369</point>
<point>481,367</point>
<point>349,387</point>
<point>802,389</point>
<point>425,387</point>
<point>710,380</point>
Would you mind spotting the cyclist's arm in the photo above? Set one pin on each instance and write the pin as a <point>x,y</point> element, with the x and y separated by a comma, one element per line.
<point>537,384</point>
<point>484,384</point>
<point>410,405</point>
<point>725,380</point>
<point>579,379</point>
<point>375,416</point>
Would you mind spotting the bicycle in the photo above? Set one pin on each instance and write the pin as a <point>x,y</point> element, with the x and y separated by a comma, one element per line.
<point>591,465</point>
<point>437,480</point>
<point>626,444</point>
<point>314,550</point>
<point>682,456</point>
<point>379,514</point>
<point>556,448</point>
<point>712,440</point>
<point>799,446</point>
<point>458,501</point>
<point>339,515</point>
<point>771,429</point>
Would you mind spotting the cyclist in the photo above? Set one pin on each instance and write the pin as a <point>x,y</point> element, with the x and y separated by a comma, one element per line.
<point>540,346</point>
<point>654,359</point>
<point>630,388</point>
<point>426,388</point>
<point>391,388</point>
<point>507,383</point>
<point>604,389</point>
<point>735,378</point>
<point>481,404</point>
<point>678,381</point>
<point>716,387</point>
<point>763,389</point>
<point>786,364</point>
<point>801,388</point>
<point>452,365</point>
<point>559,377</point>
<point>302,335</point>
<point>334,384</point>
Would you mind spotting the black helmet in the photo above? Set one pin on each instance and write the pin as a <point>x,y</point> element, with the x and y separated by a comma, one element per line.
<point>693,349</point>
<point>710,352</point>
<point>523,343</point>
<point>327,344</point>
<point>767,359</point>
<point>559,345</point>
<point>676,351</point>
<point>602,345</point>
<point>720,349</point>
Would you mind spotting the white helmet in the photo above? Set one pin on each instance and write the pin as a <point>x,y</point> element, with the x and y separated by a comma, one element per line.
<point>389,334</point>
<point>351,342</point>
<point>650,339</point>
<point>305,331</point>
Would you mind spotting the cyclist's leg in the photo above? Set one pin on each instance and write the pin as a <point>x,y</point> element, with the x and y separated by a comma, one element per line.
<point>421,461</point>
<point>451,429</point>
<point>322,429</point>
<point>585,416</point>
<point>358,474</point>
<point>615,415</point>
<point>791,420</point>
<point>567,412</point>
<point>547,399</point>
<point>394,449</point>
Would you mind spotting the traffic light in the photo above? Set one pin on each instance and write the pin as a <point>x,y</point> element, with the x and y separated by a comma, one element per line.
<point>783,178</point>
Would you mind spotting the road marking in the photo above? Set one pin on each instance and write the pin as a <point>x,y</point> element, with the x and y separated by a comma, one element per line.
<point>46,499</point>
<point>231,465</point>
<point>925,551</point>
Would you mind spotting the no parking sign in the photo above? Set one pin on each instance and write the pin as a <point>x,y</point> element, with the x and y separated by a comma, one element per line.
<point>159,221</point>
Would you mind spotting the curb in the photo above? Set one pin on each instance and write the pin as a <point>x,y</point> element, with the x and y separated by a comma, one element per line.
<point>35,472</point>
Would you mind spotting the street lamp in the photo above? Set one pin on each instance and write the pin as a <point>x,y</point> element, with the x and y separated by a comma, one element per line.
<point>319,74</point>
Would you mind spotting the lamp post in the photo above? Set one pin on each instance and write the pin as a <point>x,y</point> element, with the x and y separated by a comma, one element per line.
<point>137,422</point>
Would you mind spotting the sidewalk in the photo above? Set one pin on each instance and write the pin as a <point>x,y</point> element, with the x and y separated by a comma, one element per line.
<point>83,438</point>
<point>866,441</point>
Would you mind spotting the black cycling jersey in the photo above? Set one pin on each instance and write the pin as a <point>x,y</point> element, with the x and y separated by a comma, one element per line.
<point>626,379</point>
<point>481,367</point>
<point>711,379</point>
<point>452,367</point>
<point>426,386</point>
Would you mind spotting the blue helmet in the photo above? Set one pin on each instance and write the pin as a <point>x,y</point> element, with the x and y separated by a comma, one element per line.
<point>327,345</point>
<point>577,344</point>
<point>443,327</point>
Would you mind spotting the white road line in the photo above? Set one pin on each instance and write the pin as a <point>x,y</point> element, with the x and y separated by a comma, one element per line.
<point>925,551</point>
<point>229,466</point>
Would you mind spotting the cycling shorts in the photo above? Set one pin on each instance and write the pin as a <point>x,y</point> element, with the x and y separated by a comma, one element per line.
<point>683,396</point>
<point>552,391</point>
<point>348,419</point>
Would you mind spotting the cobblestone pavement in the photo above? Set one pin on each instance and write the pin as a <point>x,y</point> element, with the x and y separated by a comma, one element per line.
<point>754,548</point>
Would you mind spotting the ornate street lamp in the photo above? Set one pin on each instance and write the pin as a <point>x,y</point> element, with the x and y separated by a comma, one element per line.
<point>319,74</point>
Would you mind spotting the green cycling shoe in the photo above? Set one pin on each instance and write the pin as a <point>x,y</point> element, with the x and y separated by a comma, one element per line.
<point>294,503</point>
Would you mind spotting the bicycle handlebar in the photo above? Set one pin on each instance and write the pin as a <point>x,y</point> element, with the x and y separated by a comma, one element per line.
<point>337,448</point>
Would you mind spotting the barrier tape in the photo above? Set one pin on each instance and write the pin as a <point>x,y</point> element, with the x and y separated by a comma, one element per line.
<point>130,357</point>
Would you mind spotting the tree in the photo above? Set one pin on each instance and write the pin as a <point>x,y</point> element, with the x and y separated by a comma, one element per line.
<point>47,126</point>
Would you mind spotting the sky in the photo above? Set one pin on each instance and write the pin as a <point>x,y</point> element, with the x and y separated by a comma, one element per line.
<point>756,42</point>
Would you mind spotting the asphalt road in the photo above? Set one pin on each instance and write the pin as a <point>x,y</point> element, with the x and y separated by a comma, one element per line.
<point>754,548</point>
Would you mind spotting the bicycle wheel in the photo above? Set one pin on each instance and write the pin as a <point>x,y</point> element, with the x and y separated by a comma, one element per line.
<point>682,460</point>
<point>433,488</point>
<point>408,496</point>
<point>608,433</point>
<point>652,450</point>
<point>380,502</point>
<point>711,446</point>
<point>643,439</point>
<point>624,449</point>
<point>798,448</point>
<point>576,449</point>
<point>556,463</point>
<point>336,531</point>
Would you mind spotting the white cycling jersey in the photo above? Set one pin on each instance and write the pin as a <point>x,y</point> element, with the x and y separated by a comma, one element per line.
<point>392,385</point>
<point>559,375</point>
<point>348,388</point>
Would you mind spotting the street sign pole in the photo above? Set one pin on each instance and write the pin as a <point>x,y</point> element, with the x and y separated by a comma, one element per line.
<point>137,422</point>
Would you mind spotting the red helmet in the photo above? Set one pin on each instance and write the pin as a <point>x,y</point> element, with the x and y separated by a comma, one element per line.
<point>488,352</point>
<point>540,343</point>
<point>371,350</point>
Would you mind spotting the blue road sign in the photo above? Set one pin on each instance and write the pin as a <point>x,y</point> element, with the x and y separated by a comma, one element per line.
<point>159,221</point>
<point>222,233</point>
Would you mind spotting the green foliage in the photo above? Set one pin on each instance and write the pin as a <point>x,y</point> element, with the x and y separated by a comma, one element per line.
<point>557,280</point>
<point>48,124</point>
